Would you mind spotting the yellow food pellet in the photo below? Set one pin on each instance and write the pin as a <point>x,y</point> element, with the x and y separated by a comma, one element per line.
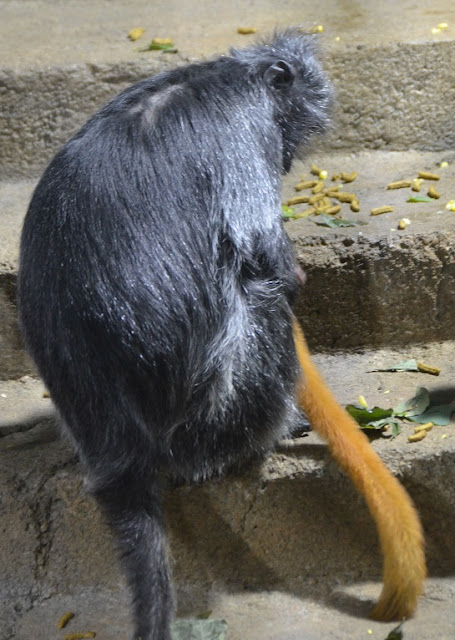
<point>316,198</point>
<point>362,402</point>
<point>387,391</point>
<point>444,436</point>
<point>297,200</point>
<point>305,184</point>
<point>425,368</point>
<point>379,210</point>
<point>355,206</point>
<point>433,193</point>
<point>305,214</point>
<point>435,30</point>
<point>337,39</point>
<point>444,164</point>
<point>163,42</point>
<point>244,31</point>
<point>426,175</point>
<point>46,394</point>
<point>335,177</point>
<point>428,426</point>
<point>443,25</point>
<point>318,29</point>
<point>332,211</point>
<point>348,177</point>
<point>370,632</point>
<point>323,175</point>
<point>318,187</point>
<point>332,189</point>
<point>66,617</point>
<point>399,184</point>
<point>451,205</point>
<point>136,33</point>
<point>416,184</point>
<point>416,437</point>
<point>403,223</point>
<point>315,170</point>
<point>345,197</point>
<point>80,636</point>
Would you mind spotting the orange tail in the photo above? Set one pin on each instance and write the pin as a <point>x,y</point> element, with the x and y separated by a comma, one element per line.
<point>399,528</point>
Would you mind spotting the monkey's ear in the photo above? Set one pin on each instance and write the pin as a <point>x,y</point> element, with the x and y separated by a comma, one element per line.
<point>280,75</point>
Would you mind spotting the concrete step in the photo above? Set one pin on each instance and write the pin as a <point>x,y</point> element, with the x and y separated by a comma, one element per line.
<point>371,285</point>
<point>289,539</point>
<point>61,61</point>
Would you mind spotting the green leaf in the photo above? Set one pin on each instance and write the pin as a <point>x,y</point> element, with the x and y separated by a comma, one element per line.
<point>193,629</point>
<point>396,634</point>
<point>365,417</point>
<point>406,365</point>
<point>165,48</point>
<point>419,199</point>
<point>415,406</point>
<point>437,414</point>
<point>329,221</point>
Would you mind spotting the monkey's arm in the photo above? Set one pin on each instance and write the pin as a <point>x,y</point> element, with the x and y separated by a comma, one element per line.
<point>399,528</point>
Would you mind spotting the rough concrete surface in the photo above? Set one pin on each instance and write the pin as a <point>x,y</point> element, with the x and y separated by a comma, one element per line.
<point>61,61</point>
<point>288,535</point>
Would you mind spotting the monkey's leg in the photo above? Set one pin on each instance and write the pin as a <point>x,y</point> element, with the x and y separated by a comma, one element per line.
<point>134,511</point>
<point>399,528</point>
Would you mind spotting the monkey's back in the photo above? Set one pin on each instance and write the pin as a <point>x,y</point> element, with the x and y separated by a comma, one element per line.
<point>156,277</point>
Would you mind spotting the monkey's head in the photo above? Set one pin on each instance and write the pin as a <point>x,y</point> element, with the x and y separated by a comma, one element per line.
<point>289,68</point>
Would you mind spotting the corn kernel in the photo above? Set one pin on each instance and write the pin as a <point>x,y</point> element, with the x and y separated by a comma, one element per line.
<point>443,25</point>
<point>135,34</point>
<point>444,164</point>
<point>451,205</point>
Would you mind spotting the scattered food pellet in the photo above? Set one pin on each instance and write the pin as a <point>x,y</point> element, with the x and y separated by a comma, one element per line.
<point>416,184</point>
<point>80,636</point>
<point>163,42</point>
<point>318,29</point>
<point>315,170</point>
<point>444,436</point>
<point>66,617</point>
<point>379,210</point>
<point>444,164</point>
<point>318,187</point>
<point>426,175</point>
<point>3,395</point>
<point>435,30</point>
<point>451,205</point>
<point>46,394</point>
<point>416,437</point>
<point>297,200</point>
<point>425,368</point>
<point>345,197</point>
<point>428,426</point>
<point>305,214</point>
<point>305,184</point>
<point>362,402</point>
<point>433,193</point>
<point>403,223</point>
<point>337,39</point>
<point>443,25</point>
<point>323,175</point>
<point>332,211</point>
<point>355,206</point>
<point>136,33</point>
<point>399,184</point>
<point>244,31</point>
<point>348,177</point>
